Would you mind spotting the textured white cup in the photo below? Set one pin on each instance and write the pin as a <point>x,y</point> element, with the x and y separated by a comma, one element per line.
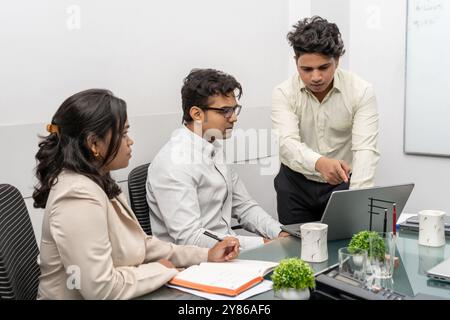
<point>314,242</point>
<point>431,228</point>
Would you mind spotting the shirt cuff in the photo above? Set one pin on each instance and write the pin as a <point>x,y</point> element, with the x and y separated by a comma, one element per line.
<point>248,243</point>
<point>274,230</point>
<point>203,255</point>
<point>311,160</point>
<point>153,270</point>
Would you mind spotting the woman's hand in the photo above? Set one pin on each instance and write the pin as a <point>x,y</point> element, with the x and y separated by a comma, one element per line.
<point>225,250</point>
<point>166,263</point>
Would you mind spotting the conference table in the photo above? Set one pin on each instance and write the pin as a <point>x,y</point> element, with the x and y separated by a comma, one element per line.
<point>409,278</point>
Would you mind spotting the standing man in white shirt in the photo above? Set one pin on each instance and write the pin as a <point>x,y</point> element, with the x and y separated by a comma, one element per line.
<point>190,189</point>
<point>327,123</point>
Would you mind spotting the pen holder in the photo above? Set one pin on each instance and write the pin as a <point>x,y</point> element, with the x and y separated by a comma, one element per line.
<point>431,228</point>
<point>314,242</point>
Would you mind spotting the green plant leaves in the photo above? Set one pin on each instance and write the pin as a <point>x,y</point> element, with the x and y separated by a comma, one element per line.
<point>293,273</point>
<point>361,240</point>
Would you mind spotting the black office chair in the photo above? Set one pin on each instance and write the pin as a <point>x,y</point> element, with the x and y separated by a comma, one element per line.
<point>19,271</point>
<point>137,192</point>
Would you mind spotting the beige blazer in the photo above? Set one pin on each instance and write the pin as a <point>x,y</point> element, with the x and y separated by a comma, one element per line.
<point>94,248</point>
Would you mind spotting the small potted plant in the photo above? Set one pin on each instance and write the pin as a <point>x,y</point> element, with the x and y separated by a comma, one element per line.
<point>362,239</point>
<point>292,279</point>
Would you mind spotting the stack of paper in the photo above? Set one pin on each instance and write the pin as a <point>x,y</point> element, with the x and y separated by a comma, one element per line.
<point>264,286</point>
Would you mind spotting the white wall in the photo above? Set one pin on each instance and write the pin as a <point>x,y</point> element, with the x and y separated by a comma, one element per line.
<point>377,53</point>
<point>141,50</point>
<point>297,10</point>
<point>334,11</point>
<point>44,61</point>
<point>374,33</point>
<point>337,12</point>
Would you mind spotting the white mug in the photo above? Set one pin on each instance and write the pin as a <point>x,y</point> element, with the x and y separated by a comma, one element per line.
<point>431,228</point>
<point>314,242</point>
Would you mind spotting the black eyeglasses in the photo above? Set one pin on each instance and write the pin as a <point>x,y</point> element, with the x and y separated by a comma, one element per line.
<point>227,112</point>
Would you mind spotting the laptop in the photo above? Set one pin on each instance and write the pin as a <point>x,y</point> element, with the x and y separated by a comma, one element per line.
<point>347,211</point>
<point>412,224</point>
<point>441,271</point>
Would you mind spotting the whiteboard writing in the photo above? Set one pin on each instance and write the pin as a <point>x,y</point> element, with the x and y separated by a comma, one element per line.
<point>427,99</point>
<point>425,12</point>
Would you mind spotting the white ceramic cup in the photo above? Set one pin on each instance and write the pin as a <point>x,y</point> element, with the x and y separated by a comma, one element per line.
<point>314,242</point>
<point>431,228</point>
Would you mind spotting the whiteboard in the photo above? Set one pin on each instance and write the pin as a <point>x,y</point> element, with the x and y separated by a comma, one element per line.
<point>427,110</point>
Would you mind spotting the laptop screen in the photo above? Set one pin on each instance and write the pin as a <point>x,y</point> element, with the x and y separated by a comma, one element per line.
<point>348,211</point>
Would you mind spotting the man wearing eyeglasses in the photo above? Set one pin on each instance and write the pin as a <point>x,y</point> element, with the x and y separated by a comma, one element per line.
<point>192,193</point>
<point>327,122</point>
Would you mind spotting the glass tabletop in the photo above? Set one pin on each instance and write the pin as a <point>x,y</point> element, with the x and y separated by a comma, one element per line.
<point>409,278</point>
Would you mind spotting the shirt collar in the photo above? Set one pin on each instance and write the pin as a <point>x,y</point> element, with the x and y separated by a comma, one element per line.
<point>301,85</point>
<point>337,82</point>
<point>199,144</point>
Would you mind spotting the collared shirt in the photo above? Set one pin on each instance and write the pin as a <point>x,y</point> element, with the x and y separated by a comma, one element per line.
<point>190,189</point>
<point>343,126</point>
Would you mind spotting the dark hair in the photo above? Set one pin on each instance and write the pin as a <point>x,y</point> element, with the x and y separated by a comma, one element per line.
<point>201,84</point>
<point>316,35</point>
<point>91,112</point>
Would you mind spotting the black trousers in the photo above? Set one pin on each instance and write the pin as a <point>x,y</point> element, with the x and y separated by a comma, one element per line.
<point>301,200</point>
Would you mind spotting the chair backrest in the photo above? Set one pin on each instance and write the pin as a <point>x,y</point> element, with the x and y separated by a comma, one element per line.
<point>137,192</point>
<point>19,270</point>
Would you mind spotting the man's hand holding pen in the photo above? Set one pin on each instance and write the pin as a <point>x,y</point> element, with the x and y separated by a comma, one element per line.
<point>225,250</point>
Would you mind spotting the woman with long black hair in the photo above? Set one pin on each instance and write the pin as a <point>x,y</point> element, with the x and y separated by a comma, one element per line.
<point>93,246</point>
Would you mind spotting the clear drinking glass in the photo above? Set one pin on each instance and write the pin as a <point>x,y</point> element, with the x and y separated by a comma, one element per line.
<point>353,262</point>
<point>381,259</point>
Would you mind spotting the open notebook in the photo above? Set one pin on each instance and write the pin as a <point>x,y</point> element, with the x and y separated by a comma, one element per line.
<point>227,278</point>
